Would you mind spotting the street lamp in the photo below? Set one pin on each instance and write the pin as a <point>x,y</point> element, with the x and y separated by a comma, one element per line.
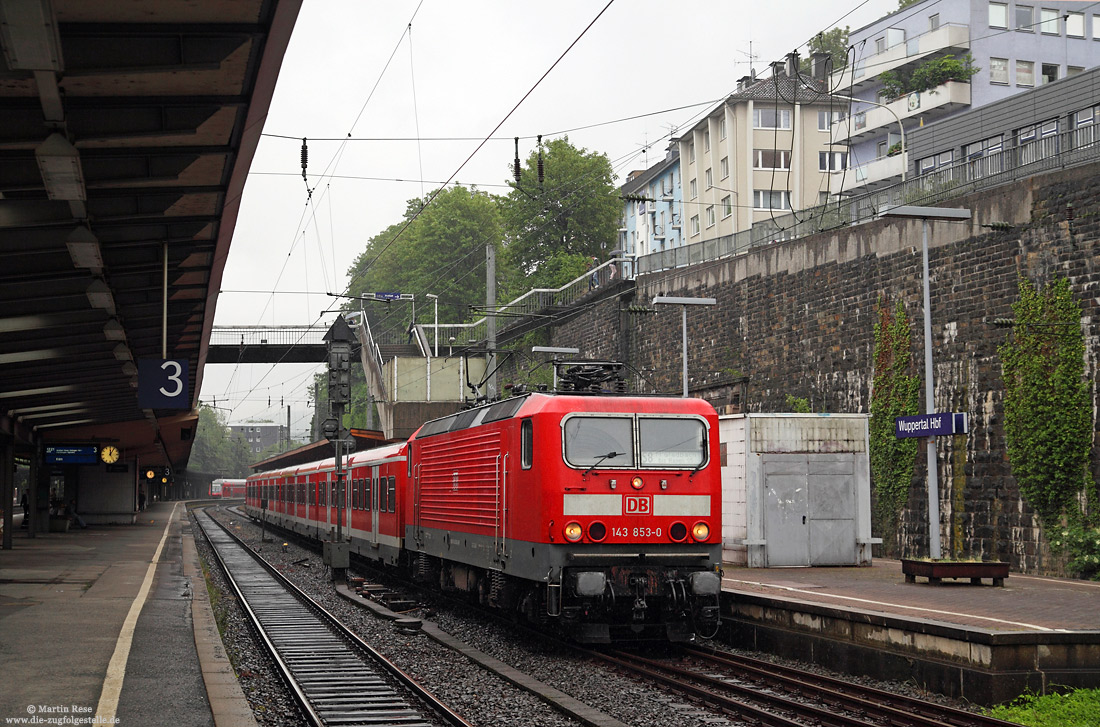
<point>683,303</point>
<point>435,328</point>
<point>555,349</point>
<point>924,214</point>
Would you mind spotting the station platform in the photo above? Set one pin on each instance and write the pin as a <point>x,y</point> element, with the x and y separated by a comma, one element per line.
<point>983,643</point>
<point>112,625</point>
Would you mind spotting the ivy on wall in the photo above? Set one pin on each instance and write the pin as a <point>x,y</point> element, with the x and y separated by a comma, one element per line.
<point>895,393</point>
<point>1048,409</point>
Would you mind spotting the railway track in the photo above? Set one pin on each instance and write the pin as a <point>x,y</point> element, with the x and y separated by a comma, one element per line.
<point>769,694</point>
<point>336,678</point>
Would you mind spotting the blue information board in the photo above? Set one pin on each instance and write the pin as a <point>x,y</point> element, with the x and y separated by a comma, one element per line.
<point>930,425</point>
<point>72,454</point>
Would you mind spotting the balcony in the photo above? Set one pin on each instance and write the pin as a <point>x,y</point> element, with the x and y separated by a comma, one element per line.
<point>930,105</point>
<point>944,40</point>
<point>868,177</point>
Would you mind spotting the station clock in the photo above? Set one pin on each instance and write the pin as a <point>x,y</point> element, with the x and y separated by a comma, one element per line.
<point>109,454</point>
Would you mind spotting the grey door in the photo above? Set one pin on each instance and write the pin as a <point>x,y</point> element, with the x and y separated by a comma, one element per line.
<point>786,510</point>
<point>831,485</point>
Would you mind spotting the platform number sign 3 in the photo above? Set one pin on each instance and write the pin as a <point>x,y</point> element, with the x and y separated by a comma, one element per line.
<point>163,384</point>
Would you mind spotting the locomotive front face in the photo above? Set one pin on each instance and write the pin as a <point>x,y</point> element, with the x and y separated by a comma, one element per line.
<point>638,537</point>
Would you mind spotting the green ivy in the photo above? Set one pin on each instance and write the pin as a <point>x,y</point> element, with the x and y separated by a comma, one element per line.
<point>895,393</point>
<point>1047,402</point>
<point>1081,543</point>
<point>798,404</point>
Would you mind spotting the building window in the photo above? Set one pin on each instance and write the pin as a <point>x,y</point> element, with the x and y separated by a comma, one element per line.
<point>694,190</point>
<point>724,167</point>
<point>771,118</point>
<point>825,119</point>
<point>1025,18</point>
<point>1050,72</point>
<point>710,216</point>
<point>1086,122</point>
<point>998,15</point>
<point>771,199</point>
<point>771,159</point>
<point>934,22</point>
<point>722,128</point>
<point>1048,21</point>
<point>727,207</point>
<point>943,159</point>
<point>998,71</point>
<point>1075,25</point>
<point>706,140</point>
<point>1096,27</point>
<point>691,153</point>
<point>1025,73</point>
<point>1074,70</point>
<point>832,161</point>
<point>710,179</point>
<point>880,45</point>
<point>694,225</point>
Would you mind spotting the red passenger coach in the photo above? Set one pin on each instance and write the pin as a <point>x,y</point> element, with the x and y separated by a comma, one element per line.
<point>599,513</point>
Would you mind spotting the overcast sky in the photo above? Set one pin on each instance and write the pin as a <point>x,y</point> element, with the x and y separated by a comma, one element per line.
<point>456,74</point>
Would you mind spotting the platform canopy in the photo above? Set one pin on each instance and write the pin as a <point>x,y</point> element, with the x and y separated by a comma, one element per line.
<point>127,128</point>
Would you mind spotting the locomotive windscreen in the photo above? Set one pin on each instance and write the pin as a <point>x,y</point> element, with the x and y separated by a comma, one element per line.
<point>592,440</point>
<point>672,442</point>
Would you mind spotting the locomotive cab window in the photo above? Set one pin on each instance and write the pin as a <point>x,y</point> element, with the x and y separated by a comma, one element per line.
<point>672,442</point>
<point>526,443</point>
<point>599,441</point>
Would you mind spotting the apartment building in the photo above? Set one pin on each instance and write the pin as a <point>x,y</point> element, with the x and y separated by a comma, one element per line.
<point>653,208</point>
<point>1015,46</point>
<point>763,151</point>
<point>258,436</point>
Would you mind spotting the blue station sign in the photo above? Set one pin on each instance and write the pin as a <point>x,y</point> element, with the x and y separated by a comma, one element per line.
<point>930,425</point>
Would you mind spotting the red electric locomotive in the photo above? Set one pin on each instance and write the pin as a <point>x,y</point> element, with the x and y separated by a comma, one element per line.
<point>600,513</point>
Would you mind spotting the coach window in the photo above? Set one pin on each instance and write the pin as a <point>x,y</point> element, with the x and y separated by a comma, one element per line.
<point>382,494</point>
<point>393,493</point>
<point>672,442</point>
<point>526,443</point>
<point>604,441</point>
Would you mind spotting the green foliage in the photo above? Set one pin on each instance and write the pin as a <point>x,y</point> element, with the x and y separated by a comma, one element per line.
<point>896,393</point>
<point>215,450</point>
<point>798,404</point>
<point>933,72</point>
<point>1048,410</point>
<point>574,216</point>
<point>442,251</point>
<point>902,4</point>
<point>1078,708</point>
<point>834,42</point>
<point>1082,544</point>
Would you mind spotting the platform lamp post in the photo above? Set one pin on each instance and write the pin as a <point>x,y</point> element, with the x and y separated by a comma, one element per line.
<point>683,303</point>
<point>924,214</point>
<point>435,326</point>
<point>565,350</point>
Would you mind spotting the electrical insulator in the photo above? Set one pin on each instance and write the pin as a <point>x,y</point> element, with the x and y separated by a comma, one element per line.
<point>540,161</point>
<point>305,157</point>
<point>515,168</point>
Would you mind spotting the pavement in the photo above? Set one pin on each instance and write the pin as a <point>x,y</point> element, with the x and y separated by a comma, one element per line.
<point>104,623</point>
<point>1025,603</point>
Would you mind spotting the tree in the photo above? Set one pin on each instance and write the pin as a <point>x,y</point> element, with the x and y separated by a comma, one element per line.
<point>552,229</point>
<point>441,251</point>
<point>835,43</point>
<point>215,451</point>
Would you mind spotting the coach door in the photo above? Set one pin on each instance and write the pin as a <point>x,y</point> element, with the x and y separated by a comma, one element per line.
<point>375,486</point>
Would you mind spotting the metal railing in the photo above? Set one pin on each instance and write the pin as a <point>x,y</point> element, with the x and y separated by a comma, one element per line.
<point>1067,149</point>
<point>268,335</point>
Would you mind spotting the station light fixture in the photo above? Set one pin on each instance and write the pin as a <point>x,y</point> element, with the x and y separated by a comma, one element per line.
<point>122,352</point>
<point>84,249</point>
<point>59,164</point>
<point>683,302</point>
<point>100,296</point>
<point>29,35</point>
<point>113,330</point>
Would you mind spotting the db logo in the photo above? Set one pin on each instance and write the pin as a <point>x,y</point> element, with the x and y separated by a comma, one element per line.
<point>639,504</point>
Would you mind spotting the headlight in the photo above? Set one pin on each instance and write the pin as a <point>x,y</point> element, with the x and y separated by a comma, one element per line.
<point>573,532</point>
<point>636,483</point>
<point>678,532</point>
<point>701,531</point>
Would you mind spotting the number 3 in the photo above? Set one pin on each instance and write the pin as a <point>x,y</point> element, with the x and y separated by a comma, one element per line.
<point>173,377</point>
